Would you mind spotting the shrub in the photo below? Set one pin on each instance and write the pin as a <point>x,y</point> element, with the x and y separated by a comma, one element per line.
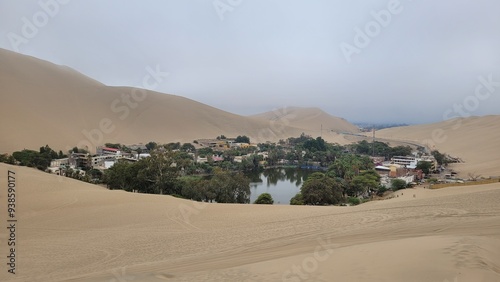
<point>354,201</point>
<point>178,196</point>
<point>264,199</point>
<point>381,190</point>
<point>398,184</point>
<point>297,200</point>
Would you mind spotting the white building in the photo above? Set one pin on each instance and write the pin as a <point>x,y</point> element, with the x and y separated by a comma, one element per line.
<point>411,161</point>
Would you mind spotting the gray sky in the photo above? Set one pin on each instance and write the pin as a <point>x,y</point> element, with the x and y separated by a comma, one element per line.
<point>415,62</point>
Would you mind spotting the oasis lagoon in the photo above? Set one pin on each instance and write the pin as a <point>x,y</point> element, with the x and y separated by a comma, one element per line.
<point>282,183</point>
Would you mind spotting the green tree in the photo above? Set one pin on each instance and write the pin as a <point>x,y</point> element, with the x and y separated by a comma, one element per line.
<point>400,151</point>
<point>366,181</point>
<point>159,171</point>
<point>425,166</point>
<point>264,199</point>
<point>3,158</point>
<point>297,199</point>
<point>440,158</point>
<point>95,174</point>
<point>113,145</point>
<point>78,150</point>
<point>188,147</point>
<point>32,158</point>
<point>348,165</point>
<point>193,188</point>
<point>242,139</point>
<point>251,163</point>
<point>317,144</point>
<point>397,184</point>
<point>11,160</point>
<point>172,146</point>
<point>299,140</point>
<point>363,147</point>
<point>183,160</point>
<point>320,189</point>
<point>60,155</point>
<point>48,153</point>
<point>230,187</point>
<point>151,145</point>
<point>119,176</point>
<point>204,152</point>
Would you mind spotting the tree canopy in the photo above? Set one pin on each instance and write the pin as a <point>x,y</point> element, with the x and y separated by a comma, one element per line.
<point>397,184</point>
<point>320,189</point>
<point>31,158</point>
<point>426,167</point>
<point>380,149</point>
<point>242,139</point>
<point>264,199</point>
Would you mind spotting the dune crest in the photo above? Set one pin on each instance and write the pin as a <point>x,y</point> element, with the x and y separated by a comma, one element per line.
<point>55,105</point>
<point>473,139</point>
<point>309,119</point>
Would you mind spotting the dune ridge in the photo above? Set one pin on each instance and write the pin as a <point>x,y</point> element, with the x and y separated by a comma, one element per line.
<point>474,139</point>
<point>74,231</point>
<point>48,104</point>
<point>308,119</point>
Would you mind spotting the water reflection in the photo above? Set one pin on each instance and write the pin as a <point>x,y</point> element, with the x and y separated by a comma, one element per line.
<point>281,183</point>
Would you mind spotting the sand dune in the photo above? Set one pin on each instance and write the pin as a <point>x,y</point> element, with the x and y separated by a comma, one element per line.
<point>43,103</point>
<point>310,119</point>
<point>73,231</point>
<point>473,139</point>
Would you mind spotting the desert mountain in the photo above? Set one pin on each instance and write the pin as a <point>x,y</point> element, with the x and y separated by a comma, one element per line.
<point>475,140</point>
<point>307,119</point>
<point>43,103</point>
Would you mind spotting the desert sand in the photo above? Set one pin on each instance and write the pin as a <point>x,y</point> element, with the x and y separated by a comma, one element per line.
<point>308,119</point>
<point>475,140</point>
<point>43,103</point>
<point>74,231</point>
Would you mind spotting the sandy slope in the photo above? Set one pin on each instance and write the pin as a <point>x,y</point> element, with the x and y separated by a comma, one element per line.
<point>43,103</point>
<point>72,231</point>
<point>310,119</point>
<point>474,139</point>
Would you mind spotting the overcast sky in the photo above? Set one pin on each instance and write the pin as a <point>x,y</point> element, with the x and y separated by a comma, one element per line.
<point>377,61</point>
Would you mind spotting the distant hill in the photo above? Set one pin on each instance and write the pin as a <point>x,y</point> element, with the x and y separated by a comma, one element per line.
<point>368,126</point>
<point>308,119</point>
<point>475,139</point>
<point>43,103</point>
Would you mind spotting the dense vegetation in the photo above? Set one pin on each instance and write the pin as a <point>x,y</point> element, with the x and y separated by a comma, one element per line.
<point>161,174</point>
<point>347,172</point>
<point>380,149</point>
<point>350,176</point>
<point>40,159</point>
